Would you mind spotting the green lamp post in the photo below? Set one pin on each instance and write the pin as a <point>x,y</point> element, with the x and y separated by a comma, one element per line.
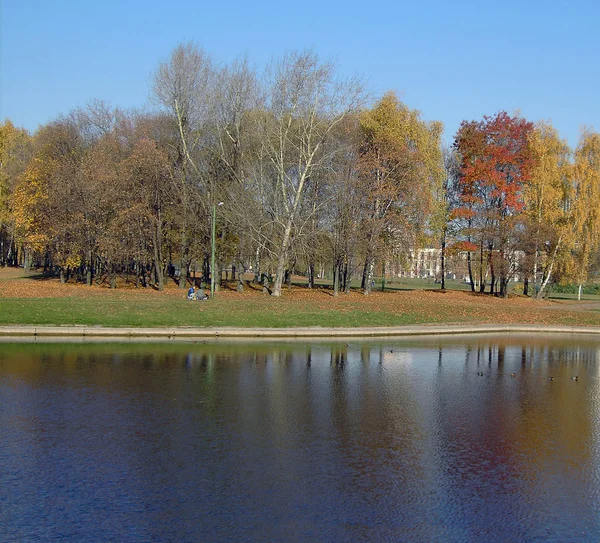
<point>212,259</point>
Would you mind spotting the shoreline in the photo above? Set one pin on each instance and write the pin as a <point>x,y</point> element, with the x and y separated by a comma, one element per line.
<point>172,333</point>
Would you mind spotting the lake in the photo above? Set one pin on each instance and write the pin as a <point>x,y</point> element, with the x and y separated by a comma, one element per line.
<point>420,439</point>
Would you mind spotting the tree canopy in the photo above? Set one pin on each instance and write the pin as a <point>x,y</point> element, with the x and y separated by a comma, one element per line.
<point>314,178</point>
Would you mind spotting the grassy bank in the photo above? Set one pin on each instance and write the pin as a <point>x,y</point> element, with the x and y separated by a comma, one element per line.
<point>223,312</point>
<point>37,301</point>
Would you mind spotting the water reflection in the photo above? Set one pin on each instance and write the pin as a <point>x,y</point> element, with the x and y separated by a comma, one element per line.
<point>393,440</point>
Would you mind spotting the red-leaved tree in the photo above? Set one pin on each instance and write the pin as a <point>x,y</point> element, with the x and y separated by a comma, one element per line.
<point>495,162</point>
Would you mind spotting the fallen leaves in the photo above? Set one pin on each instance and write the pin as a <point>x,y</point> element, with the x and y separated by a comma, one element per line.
<point>421,305</point>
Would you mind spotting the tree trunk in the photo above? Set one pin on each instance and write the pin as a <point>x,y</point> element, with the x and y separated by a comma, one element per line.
<point>346,277</point>
<point>257,266</point>
<point>535,265</point>
<point>206,269</point>
<point>368,274</point>
<point>240,285</point>
<point>184,261</point>
<point>12,253</point>
<point>481,277</point>
<point>218,276</point>
<point>443,261</point>
<point>183,274</point>
<point>113,277</point>
<point>88,270</point>
<point>282,258</point>
<point>470,268</point>
<point>504,287</point>
<point>548,271</point>
<point>363,281</point>
<point>311,275</point>
<point>158,269</point>
<point>265,284</point>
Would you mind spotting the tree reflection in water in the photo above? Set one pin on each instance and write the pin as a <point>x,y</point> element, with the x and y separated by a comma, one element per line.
<point>370,440</point>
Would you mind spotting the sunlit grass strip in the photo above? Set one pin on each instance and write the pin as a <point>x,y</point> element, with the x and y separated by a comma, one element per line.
<point>248,313</point>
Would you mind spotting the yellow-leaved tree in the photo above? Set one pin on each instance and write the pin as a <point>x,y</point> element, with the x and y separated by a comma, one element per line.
<point>15,151</point>
<point>28,200</point>
<point>401,167</point>
<point>586,207</point>
<point>547,211</point>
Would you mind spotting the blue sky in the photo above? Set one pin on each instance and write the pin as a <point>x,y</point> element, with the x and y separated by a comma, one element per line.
<point>451,60</point>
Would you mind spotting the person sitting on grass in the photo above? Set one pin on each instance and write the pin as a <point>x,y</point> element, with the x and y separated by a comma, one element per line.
<point>200,295</point>
<point>191,294</point>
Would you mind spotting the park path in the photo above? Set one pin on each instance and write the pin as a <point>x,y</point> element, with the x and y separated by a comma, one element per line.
<point>576,306</point>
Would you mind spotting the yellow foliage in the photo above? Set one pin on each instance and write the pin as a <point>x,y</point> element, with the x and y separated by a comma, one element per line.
<point>404,154</point>
<point>586,206</point>
<point>14,143</point>
<point>547,192</point>
<point>28,198</point>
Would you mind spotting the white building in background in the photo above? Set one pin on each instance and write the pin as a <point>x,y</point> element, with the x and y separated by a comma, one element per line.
<point>426,263</point>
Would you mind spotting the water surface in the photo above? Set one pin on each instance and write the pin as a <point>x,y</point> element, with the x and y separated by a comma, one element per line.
<point>387,440</point>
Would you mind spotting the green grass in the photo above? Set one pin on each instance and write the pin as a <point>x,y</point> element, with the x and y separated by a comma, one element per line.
<point>150,313</point>
<point>416,283</point>
<point>569,296</point>
<point>248,311</point>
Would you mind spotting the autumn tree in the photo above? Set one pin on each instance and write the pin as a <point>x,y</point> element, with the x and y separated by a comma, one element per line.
<point>400,165</point>
<point>45,217</point>
<point>586,207</point>
<point>150,179</point>
<point>495,162</point>
<point>310,182</point>
<point>446,201</point>
<point>548,226</point>
<point>15,153</point>
<point>343,199</point>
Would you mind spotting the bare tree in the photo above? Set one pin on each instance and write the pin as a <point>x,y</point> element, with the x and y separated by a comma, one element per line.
<point>447,200</point>
<point>185,86</point>
<point>305,102</point>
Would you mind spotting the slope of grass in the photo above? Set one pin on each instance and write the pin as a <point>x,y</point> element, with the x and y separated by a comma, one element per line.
<point>149,313</point>
<point>38,301</point>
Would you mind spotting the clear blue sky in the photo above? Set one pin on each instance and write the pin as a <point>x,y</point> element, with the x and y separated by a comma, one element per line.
<point>453,60</point>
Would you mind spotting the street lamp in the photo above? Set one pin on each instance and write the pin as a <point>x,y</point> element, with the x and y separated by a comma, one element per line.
<point>212,264</point>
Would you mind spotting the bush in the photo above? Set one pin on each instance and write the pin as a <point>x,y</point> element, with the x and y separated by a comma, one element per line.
<point>573,289</point>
